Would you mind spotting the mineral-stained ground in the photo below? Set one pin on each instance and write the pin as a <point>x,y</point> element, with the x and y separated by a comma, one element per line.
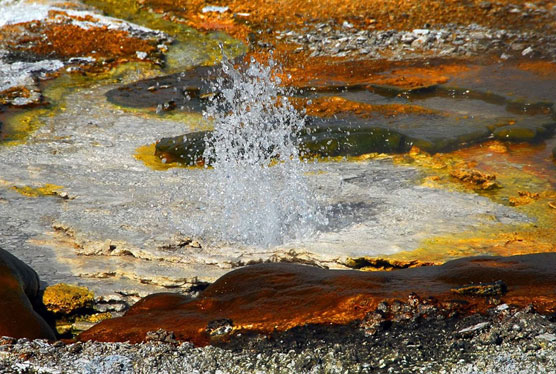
<point>429,140</point>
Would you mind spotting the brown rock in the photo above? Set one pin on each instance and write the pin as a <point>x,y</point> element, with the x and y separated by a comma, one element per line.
<point>19,285</point>
<point>476,179</point>
<point>523,198</point>
<point>276,297</point>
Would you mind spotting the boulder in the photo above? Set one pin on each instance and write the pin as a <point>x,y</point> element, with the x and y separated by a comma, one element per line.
<point>19,288</point>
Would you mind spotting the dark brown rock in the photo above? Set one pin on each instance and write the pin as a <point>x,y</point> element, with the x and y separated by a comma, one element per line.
<point>19,286</point>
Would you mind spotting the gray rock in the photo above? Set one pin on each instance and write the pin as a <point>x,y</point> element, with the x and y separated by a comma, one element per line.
<point>527,51</point>
<point>478,35</point>
<point>472,329</point>
<point>517,46</point>
<point>547,337</point>
<point>408,38</point>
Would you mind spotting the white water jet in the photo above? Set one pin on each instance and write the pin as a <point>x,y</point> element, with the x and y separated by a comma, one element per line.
<point>257,191</point>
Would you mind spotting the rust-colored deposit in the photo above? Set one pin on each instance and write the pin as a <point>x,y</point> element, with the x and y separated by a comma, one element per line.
<point>475,179</point>
<point>541,68</point>
<point>326,72</point>
<point>276,297</point>
<point>333,105</point>
<point>62,40</point>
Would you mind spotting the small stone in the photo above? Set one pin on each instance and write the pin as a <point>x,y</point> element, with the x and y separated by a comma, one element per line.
<point>502,307</point>
<point>75,348</point>
<point>517,46</point>
<point>421,32</point>
<point>347,25</point>
<point>527,51</point>
<point>504,56</point>
<point>419,42</point>
<point>485,5</point>
<point>547,337</point>
<point>491,338</point>
<point>448,51</point>
<point>478,35</point>
<point>161,335</point>
<point>141,55</point>
<point>382,307</point>
<point>408,38</point>
<point>477,327</point>
<point>220,327</point>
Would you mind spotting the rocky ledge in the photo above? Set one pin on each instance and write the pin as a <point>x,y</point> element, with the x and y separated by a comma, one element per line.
<point>474,314</point>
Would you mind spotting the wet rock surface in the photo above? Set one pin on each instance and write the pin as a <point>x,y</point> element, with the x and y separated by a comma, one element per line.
<point>133,240</point>
<point>377,112</point>
<point>316,296</point>
<point>78,205</point>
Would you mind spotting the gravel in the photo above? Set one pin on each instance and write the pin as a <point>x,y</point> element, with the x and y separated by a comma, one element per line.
<point>327,39</point>
<point>508,341</point>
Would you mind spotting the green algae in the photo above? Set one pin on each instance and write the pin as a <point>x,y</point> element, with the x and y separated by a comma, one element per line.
<point>525,133</point>
<point>19,124</point>
<point>351,142</point>
<point>188,149</point>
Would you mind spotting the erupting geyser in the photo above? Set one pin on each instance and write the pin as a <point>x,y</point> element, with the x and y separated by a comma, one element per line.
<point>257,192</point>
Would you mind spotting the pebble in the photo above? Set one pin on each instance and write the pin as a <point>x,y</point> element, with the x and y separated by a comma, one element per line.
<point>327,39</point>
<point>477,327</point>
<point>527,51</point>
<point>547,337</point>
<point>502,307</point>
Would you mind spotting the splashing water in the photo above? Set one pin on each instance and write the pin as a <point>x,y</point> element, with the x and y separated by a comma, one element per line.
<point>257,190</point>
